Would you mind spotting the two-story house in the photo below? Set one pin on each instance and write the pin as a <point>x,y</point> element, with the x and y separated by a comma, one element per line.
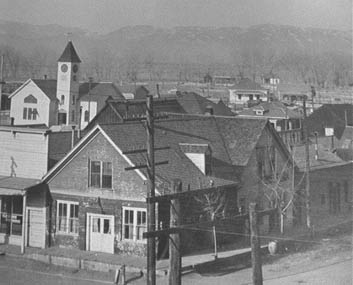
<point>98,205</point>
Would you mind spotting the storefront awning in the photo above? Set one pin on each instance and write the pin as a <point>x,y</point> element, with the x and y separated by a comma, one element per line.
<point>16,185</point>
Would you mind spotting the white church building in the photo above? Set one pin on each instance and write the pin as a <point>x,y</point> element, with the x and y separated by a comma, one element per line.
<point>65,101</point>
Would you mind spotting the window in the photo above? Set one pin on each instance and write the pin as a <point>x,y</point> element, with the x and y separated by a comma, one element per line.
<point>73,100</point>
<point>266,162</point>
<point>67,217</point>
<point>72,115</point>
<point>30,99</point>
<point>251,97</point>
<point>239,96</point>
<point>62,100</point>
<point>86,117</point>
<point>74,78</point>
<point>101,174</point>
<point>134,223</point>
<point>30,113</point>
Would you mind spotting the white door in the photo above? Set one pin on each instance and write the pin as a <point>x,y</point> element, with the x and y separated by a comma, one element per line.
<point>100,233</point>
<point>36,227</point>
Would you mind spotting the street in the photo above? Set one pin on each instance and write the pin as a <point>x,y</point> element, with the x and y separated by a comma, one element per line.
<point>16,271</point>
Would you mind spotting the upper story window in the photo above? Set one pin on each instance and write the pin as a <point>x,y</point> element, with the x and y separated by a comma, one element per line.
<point>73,100</point>
<point>134,223</point>
<point>67,217</point>
<point>62,100</point>
<point>100,174</point>
<point>266,162</point>
<point>30,113</point>
<point>31,99</point>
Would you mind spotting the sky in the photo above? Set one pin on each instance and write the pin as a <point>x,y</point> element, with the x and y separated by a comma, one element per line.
<point>104,16</point>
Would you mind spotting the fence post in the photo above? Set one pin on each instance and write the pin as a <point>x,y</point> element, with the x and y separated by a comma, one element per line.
<point>255,246</point>
<point>174,240</point>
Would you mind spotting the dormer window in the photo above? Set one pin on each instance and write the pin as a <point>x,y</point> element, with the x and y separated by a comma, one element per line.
<point>200,155</point>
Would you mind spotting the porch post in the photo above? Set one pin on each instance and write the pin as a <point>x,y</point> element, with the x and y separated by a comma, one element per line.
<point>24,223</point>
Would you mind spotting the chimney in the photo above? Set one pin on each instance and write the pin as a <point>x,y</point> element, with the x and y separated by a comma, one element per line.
<point>209,111</point>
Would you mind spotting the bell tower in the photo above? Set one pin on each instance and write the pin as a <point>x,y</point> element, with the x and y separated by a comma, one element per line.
<point>67,89</point>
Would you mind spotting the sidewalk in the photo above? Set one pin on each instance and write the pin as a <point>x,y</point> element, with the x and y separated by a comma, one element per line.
<point>105,262</point>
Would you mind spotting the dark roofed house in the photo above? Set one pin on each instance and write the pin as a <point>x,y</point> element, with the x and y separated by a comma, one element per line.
<point>205,151</point>
<point>116,111</point>
<point>330,186</point>
<point>335,116</point>
<point>285,120</point>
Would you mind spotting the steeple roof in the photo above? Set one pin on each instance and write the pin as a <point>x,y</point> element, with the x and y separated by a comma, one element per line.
<point>69,54</point>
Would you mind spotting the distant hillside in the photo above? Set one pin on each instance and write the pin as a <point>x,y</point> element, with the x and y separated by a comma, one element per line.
<point>185,53</point>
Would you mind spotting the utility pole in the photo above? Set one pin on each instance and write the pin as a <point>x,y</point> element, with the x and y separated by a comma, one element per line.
<point>150,166</point>
<point>1,77</point>
<point>255,246</point>
<point>151,209</point>
<point>174,240</point>
<point>307,168</point>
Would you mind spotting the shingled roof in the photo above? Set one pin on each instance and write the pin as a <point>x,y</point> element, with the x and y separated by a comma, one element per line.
<point>330,115</point>
<point>48,86</point>
<point>69,54</point>
<point>194,103</point>
<point>271,110</point>
<point>247,84</point>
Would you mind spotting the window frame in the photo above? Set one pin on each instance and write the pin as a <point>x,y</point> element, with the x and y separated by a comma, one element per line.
<point>101,174</point>
<point>135,226</point>
<point>68,217</point>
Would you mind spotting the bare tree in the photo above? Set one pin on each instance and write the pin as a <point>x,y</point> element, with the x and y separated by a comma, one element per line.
<point>279,187</point>
<point>214,205</point>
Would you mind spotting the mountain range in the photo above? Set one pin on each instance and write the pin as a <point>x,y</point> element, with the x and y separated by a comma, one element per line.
<point>201,47</point>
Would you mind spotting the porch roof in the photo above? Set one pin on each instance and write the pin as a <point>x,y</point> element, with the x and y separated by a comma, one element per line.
<point>16,185</point>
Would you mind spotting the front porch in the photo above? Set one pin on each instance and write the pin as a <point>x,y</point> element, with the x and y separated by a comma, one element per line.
<point>23,212</point>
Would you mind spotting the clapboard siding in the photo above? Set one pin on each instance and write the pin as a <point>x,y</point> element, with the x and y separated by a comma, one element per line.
<point>42,106</point>
<point>23,154</point>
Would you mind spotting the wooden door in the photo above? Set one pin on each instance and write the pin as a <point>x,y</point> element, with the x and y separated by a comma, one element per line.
<point>36,227</point>
<point>101,233</point>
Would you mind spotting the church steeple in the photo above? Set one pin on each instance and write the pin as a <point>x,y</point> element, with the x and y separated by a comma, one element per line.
<point>68,85</point>
<point>69,54</point>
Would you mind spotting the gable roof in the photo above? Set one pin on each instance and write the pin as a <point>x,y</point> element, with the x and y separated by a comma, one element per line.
<point>272,110</point>
<point>194,103</point>
<point>69,54</point>
<point>48,86</point>
<point>99,89</point>
<point>247,84</point>
<point>330,115</point>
